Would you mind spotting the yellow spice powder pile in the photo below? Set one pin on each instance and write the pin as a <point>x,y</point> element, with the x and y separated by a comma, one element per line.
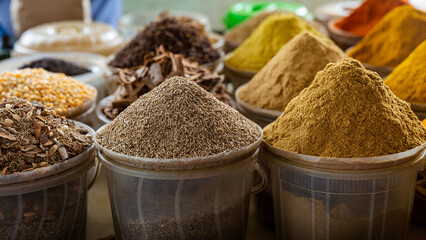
<point>346,112</point>
<point>55,90</point>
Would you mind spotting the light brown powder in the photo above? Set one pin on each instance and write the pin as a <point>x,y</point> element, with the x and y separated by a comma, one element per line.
<point>347,111</point>
<point>291,70</point>
<point>178,119</point>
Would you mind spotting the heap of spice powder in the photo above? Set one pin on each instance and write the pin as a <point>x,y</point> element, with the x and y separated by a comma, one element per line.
<point>346,112</point>
<point>366,16</point>
<point>178,119</point>
<point>267,40</point>
<point>33,136</point>
<point>242,31</point>
<point>424,122</point>
<point>56,90</point>
<point>57,66</point>
<point>174,36</point>
<point>408,80</point>
<point>291,70</point>
<point>157,67</point>
<point>393,38</point>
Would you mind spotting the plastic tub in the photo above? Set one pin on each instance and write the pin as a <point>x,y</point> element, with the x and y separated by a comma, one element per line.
<point>260,116</point>
<point>102,118</point>
<point>343,39</point>
<point>419,109</point>
<point>239,12</point>
<point>263,205</point>
<point>48,203</point>
<point>237,76</point>
<point>94,62</point>
<point>87,117</point>
<point>343,198</point>
<point>206,202</point>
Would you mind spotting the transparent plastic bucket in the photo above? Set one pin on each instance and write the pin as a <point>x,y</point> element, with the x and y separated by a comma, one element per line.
<point>203,203</point>
<point>260,116</point>
<point>102,118</point>
<point>343,198</point>
<point>263,205</point>
<point>237,76</point>
<point>87,117</point>
<point>419,109</point>
<point>50,202</point>
<point>343,39</point>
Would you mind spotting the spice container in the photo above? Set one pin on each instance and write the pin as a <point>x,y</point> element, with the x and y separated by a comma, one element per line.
<point>168,204</point>
<point>263,205</point>
<point>69,36</point>
<point>94,62</point>
<point>260,116</point>
<point>342,198</point>
<point>237,76</point>
<point>180,165</point>
<point>419,110</point>
<point>101,117</point>
<point>43,187</point>
<point>130,24</point>
<point>342,38</point>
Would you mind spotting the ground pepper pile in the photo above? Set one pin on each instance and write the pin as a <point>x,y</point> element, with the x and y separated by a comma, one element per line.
<point>157,67</point>
<point>393,38</point>
<point>243,30</point>
<point>32,136</point>
<point>346,112</point>
<point>408,80</point>
<point>267,40</point>
<point>366,16</point>
<point>178,119</point>
<point>290,71</point>
<point>174,36</point>
<point>55,90</point>
<point>57,66</point>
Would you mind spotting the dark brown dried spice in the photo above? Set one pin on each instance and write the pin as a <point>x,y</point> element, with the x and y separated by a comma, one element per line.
<point>174,35</point>
<point>35,128</point>
<point>159,66</point>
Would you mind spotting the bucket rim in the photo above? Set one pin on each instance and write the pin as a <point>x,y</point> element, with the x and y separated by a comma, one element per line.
<point>273,114</point>
<point>44,172</point>
<point>348,164</point>
<point>180,164</point>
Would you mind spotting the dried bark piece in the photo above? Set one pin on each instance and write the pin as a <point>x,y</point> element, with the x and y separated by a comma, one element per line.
<point>5,134</point>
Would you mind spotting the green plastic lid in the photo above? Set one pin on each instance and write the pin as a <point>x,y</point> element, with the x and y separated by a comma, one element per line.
<point>239,12</point>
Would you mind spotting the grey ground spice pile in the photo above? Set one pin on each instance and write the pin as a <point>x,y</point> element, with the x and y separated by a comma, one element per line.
<point>178,119</point>
<point>346,112</point>
<point>32,136</point>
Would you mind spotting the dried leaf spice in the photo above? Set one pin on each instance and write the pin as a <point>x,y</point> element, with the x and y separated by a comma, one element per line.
<point>32,136</point>
<point>178,119</point>
<point>157,67</point>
